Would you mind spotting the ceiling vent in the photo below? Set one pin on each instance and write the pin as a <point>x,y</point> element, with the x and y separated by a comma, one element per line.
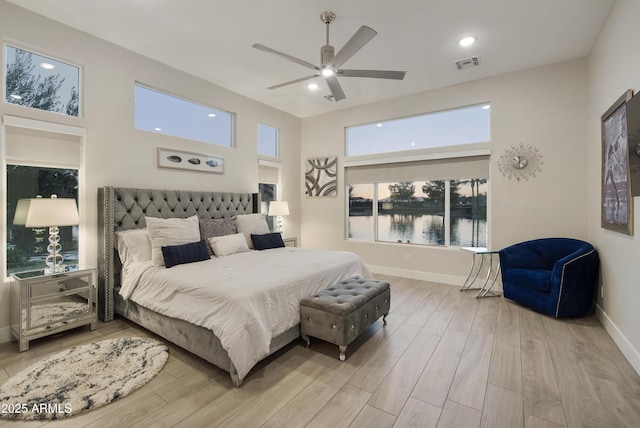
<point>466,63</point>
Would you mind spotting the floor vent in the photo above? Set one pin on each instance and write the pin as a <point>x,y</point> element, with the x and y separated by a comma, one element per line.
<point>471,62</point>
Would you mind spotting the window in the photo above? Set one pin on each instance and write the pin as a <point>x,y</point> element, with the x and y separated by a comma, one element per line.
<point>27,247</point>
<point>446,128</point>
<point>268,192</point>
<point>166,114</point>
<point>40,82</point>
<point>433,202</point>
<point>267,140</point>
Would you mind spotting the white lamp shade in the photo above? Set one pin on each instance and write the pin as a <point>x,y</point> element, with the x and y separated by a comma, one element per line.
<point>278,208</point>
<point>46,212</point>
<point>20,216</point>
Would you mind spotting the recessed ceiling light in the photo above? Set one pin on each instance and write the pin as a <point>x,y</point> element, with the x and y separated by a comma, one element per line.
<point>379,125</point>
<point>467,41</point>
<point>211,115</point>
<point>47,65</point>
<point>313,86</point>
<point>326,72</point>
<point>157,129</point>
<point>15,96</point>
<point>486,107</point>
<point>413,144</point>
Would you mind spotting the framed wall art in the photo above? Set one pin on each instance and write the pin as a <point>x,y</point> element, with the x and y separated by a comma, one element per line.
<point>633,131</point>
<point>616,202</point>
<point>321,176</point>
<point>177,159</point>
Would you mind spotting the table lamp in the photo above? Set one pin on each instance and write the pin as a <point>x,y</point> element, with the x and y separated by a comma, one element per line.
<point>52,213</point>
<point>278,209</point>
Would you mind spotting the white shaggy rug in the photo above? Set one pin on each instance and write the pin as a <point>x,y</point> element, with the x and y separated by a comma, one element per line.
<point>81,378</point>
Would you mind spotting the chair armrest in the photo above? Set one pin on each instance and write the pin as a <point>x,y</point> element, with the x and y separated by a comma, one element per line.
<point>574,279</point>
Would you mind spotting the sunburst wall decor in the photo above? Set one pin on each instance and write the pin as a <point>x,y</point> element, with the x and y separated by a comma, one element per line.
<point>520,162</point>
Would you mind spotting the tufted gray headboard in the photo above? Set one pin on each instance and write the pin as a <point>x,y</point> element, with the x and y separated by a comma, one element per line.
<point>125,208</point>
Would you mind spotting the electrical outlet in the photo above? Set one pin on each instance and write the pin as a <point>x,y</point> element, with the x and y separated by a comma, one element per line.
<point>407,258</point>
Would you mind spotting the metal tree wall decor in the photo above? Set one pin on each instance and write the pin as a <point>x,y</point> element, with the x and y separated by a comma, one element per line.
<point>520,162</point>
<point>320,177</point>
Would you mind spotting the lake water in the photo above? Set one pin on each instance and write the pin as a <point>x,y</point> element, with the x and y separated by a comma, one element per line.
<point>420,229</point>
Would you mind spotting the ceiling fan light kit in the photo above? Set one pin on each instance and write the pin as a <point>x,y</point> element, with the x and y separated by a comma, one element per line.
<point>330,62</point>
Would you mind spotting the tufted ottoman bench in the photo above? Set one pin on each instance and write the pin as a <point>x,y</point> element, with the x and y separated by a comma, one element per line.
<point>341,312</point>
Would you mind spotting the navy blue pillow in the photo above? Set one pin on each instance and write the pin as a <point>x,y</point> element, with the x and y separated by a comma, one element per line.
<point>186,253</point>
<point>267,241</point>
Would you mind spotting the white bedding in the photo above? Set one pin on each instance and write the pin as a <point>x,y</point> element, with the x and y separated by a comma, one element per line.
<point>246,299</point>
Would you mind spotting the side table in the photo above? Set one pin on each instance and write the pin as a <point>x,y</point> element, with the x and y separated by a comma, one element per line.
<point>482,256</point>
<point>43,304</point>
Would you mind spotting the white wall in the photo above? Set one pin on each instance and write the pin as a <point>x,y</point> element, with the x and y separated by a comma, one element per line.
<point>544,107</point>
<point>614,67</point>
<point>119,155</point>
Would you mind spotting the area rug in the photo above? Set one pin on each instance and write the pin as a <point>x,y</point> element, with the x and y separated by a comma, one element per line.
<point>81,378</point>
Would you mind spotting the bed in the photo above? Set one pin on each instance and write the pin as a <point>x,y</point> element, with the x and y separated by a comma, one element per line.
<point>232,311</point>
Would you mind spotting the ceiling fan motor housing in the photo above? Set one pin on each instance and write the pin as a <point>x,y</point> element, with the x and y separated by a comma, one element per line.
<point>326,55</point>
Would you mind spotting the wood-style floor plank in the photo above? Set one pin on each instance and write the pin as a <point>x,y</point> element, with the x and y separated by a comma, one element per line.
<point>444,359</point>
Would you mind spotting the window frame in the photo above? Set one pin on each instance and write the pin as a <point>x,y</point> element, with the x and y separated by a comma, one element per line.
<point>54,57</point>
<point>277,142</point>
<point>375,238</point>
<point>47,127</point>
<point>409,150</point>
<point>232,116</point>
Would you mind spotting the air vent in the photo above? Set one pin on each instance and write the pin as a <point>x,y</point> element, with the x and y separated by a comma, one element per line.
<point>471,62</point>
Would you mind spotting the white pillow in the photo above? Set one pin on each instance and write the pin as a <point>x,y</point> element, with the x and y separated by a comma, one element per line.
<point>133,245</point>
<point>170,231</point>
<point>228,244</point>
<point>251,223</point>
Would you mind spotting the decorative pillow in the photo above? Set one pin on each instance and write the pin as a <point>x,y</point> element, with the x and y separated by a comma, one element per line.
<point>133,245</point>
<point>170,231</point>
<point>186,253</point>
<point>210,227</point>
<point>228,244</point>
<point>267,241</point>
<point>251,224</point>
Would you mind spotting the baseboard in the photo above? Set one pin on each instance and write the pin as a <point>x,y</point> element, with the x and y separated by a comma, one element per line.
<point>631,354</point>
<point>5,334</point>
<point>414,274</point>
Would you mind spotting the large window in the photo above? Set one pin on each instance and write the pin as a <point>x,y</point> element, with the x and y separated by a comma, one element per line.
<point>165,114</point>
<point>464,125</point>
<point>40,82</point>
<point>427,212</point>
<point>267,140</point>
<point>27,247</point>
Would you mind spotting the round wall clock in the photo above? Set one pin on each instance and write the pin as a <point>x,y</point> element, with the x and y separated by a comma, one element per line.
<point>520,162</point>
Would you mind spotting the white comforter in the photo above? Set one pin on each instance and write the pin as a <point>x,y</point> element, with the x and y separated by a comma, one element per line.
<point>246,299</point>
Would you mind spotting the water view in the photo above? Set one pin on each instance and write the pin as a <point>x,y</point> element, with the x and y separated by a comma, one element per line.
<point>413,212</point>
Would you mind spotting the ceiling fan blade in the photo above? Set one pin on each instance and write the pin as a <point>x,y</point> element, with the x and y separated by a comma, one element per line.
<point>355,43</point>
<point>336,89</point>
<point>376,74</point>
<point>302,79</point>
<point>286,56</point>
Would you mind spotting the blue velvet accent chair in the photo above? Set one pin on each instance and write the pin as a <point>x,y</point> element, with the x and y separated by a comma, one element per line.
<point>553,276</point>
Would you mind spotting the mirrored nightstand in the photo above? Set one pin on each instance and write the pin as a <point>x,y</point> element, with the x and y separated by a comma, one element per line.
<point>44,304</point>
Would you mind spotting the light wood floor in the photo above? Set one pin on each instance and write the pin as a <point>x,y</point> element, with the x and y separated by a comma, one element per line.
<point>444,359</point>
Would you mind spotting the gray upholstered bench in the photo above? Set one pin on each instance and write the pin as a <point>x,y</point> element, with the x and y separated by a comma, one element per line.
<point>341,312</point>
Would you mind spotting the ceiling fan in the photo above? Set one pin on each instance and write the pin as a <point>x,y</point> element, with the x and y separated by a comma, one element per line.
<point>330,64</point>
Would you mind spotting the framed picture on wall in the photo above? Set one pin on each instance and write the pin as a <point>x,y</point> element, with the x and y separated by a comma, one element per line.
<point>178,159</point>
<point>633,132</point>
<point>616,202</point>
<point>321,176</point>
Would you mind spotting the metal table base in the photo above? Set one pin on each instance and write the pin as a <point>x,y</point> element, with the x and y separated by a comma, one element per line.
<point>480,254</point>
